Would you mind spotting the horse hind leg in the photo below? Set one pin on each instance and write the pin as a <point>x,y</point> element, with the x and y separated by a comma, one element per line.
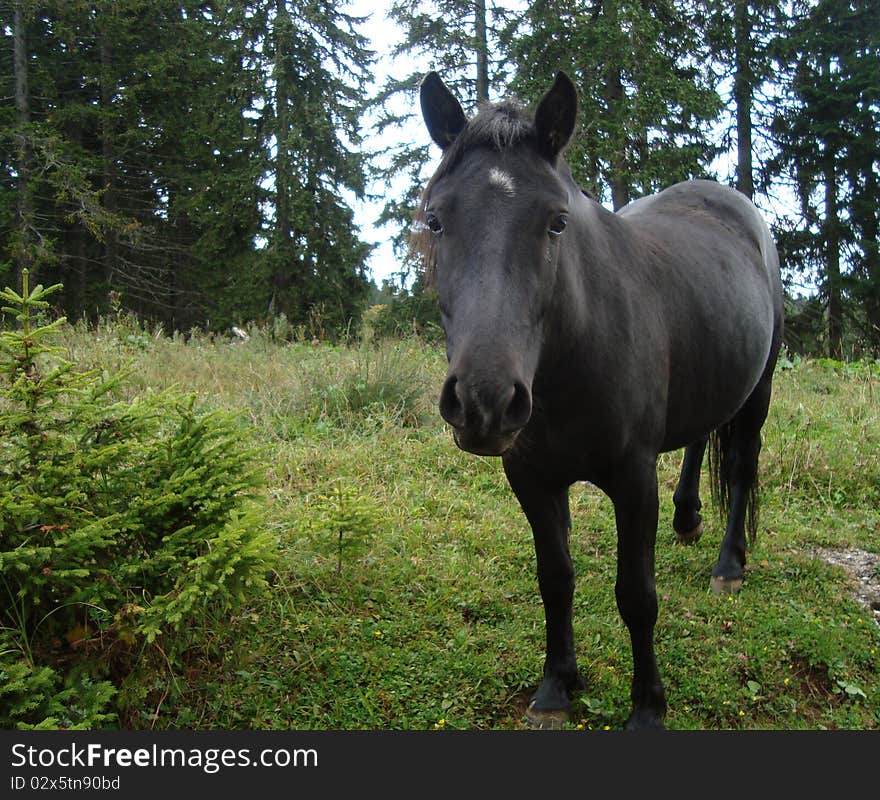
<point>734,466</point>
<point>687,523</point>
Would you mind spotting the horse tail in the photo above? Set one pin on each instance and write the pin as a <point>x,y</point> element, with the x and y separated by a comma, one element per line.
<point>720,464</point>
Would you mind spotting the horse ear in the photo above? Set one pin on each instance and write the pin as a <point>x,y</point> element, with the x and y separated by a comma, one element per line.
<point>441,110</point>
<point>556,115</point>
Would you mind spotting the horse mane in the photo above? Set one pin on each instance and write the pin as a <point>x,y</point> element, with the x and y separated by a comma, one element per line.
<point>497,126</point>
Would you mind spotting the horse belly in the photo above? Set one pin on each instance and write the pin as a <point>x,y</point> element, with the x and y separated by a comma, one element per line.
<point>717,357</point>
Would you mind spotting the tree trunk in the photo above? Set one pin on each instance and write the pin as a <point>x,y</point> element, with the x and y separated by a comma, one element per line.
<point>870,230</point>
<point>620,189</point>
<point>832,261</point>
<point>108,154</point>
<point>23,257</point>
<point>614,97</point>
<point>283,262</point>
<point>742,96</point>
<point>482,53</point>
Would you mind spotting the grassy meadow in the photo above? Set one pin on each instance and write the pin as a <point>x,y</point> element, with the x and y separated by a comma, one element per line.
<point>404,594</point>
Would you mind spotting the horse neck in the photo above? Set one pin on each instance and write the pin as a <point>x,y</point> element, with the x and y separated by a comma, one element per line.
<point>596,259</point>
<point>594,270</point>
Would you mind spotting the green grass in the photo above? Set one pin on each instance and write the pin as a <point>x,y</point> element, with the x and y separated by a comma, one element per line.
<point>434,619</point>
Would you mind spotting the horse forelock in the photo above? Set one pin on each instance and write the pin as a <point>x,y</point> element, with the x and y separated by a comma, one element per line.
<point>497,127</point>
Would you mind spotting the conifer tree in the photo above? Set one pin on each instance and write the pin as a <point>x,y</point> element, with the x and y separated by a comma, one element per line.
<point>826,130</point>
<point>150,169</point>
<point>312,65</point>
<point>646,103</point>
<point>462,40</point>
<point>120,522</point>
<point>742,36</point>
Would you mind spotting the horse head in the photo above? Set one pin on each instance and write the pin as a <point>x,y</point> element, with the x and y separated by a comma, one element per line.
<point>491,225</point>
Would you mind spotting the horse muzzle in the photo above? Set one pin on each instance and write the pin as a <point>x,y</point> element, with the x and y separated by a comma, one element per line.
<point>486,415</point>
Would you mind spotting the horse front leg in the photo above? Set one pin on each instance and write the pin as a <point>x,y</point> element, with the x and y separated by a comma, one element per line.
<point>547,512</point>
<point>636,510</point>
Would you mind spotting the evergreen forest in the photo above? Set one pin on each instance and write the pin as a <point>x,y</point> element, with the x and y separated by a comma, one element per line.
<point>198,163</point>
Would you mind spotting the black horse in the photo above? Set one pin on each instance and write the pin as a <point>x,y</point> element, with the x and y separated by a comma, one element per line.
<point>583,343</point>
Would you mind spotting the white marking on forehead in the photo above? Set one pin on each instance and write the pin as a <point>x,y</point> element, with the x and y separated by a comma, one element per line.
<point>503,180</point>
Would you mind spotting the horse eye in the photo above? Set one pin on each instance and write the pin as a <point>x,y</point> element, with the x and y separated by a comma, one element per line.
<point>433,223</point>
<point>558,224</point>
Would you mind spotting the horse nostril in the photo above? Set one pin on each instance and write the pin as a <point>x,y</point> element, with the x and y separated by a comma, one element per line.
<point>518,410</point>
<point>451,407</point>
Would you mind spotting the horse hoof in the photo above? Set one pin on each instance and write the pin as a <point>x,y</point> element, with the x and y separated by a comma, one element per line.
<point>725,585</point>
<point>644,721</point>
<point>691,537</point>
<point>546,720</point>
